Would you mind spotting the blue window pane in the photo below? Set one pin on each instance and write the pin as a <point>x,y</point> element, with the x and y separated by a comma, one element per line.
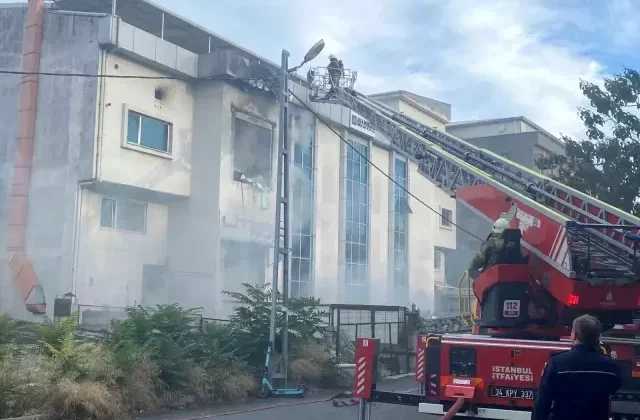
<point>154,134</point>
<point>306,157</point>
<point>305,270</point>
<point>133,127</point>
<point>108,213</point>
<point>305,246</point>
<point>295,268</point>
<point>297,154</point>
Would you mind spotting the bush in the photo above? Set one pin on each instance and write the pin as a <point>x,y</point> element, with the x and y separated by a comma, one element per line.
<point>314,365</point>
<point>166,335</point>
<point>71,399</point>
<point>229,383</point>
<point>53,333</point>
<point>251,321</point>
<point>24,382</point>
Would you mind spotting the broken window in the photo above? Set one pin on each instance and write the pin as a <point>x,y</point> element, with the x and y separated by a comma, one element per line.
<point>253,149</point>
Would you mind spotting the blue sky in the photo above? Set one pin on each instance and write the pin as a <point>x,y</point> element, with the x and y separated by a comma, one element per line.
<point>488,58</point>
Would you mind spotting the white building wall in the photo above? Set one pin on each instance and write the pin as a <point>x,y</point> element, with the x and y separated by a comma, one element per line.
<point>110,261</point>
<point>327,267</point>
<point>419,116</point>
<point>379,239</point>
<point>425,233</point>
<point>124,163</point>
<point>487,129</point>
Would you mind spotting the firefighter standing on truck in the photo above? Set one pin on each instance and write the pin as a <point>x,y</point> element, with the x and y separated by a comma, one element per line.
<point>488,254</point>
<point>577,384</point>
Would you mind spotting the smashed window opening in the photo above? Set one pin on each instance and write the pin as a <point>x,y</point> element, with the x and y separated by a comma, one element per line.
<point>252,152</point>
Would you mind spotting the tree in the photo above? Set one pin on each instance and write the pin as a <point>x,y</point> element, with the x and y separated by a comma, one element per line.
<point>606,165</point>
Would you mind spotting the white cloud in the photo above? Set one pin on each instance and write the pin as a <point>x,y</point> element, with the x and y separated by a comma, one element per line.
<point>488,58</point>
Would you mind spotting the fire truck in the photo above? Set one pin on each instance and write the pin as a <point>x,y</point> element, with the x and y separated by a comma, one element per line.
<point>566,254</point>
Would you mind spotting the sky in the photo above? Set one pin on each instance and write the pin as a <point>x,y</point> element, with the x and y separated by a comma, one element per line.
<point>487,58</point>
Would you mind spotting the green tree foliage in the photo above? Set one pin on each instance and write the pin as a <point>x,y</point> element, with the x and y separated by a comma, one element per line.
<point>251,319</point>
<point>606,164</point>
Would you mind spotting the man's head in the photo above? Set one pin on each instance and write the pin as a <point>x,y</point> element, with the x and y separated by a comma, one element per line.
<point>332,57</point>
<point>586,330</point>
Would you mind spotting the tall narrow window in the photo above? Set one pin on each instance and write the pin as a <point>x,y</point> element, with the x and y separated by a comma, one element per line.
<point>302,135</point>
<point>400,213</point>
<point>357,214</point>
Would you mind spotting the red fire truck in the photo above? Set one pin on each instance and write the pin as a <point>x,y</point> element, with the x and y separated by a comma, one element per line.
<point>566,254</point>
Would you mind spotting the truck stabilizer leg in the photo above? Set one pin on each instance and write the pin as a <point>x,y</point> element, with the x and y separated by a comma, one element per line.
<point>421,349</point>
<point>365,374</point>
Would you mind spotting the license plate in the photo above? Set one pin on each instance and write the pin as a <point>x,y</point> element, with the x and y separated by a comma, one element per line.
<point>517,393</point>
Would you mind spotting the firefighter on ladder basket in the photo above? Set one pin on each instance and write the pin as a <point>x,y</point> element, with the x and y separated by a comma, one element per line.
<point>489,251</point>
<point>336,71</point>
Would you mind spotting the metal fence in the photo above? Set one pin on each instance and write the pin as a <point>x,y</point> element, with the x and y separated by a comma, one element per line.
<point>387,323</point>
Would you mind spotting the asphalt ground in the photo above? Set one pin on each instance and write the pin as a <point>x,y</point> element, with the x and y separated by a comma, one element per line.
<point>315,406</point>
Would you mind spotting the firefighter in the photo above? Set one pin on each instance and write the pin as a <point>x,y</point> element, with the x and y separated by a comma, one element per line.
<point>488,253</point>
<point>335,70</point>
<point>577,384</point>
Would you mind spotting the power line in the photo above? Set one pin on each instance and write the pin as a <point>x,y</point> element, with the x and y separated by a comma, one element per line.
<point>322,120</point>
<point>124,76</point>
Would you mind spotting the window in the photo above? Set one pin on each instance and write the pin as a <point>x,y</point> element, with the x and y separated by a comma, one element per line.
<point>123,215</point>
<point>252,150</point>
<point>302,135</point>
<point>400,219</point>
<point>446,218</point>
<point>148,132</point>
<point>357,215</point>
<point>438,260</point>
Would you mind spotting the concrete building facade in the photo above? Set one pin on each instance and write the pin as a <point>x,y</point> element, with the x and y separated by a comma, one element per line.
<point>153,181</point>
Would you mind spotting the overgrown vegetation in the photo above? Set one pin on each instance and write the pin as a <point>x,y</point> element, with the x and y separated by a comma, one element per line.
<point>156,358</point>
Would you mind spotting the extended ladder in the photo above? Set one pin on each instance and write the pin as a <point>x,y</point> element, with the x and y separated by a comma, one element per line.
<point>593,231</point>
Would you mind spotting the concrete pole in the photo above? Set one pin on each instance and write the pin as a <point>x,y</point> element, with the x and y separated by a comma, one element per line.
<point>114,4</point>
<point>281,212</point>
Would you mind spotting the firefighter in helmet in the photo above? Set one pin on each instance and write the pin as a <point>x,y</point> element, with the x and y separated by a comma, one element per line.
<point>488,254</point>
<point>335,70</point>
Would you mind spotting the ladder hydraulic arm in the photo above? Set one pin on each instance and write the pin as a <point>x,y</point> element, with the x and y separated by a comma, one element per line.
<point>583,238</point>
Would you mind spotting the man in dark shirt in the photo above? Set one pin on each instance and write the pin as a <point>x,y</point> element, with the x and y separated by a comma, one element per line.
<point>578,383</point>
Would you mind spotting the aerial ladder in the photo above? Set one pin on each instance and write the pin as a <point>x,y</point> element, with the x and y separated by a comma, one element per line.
<point>581,258</point>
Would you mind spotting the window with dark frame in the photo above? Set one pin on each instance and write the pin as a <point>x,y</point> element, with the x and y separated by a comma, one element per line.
<point>446,218</point>
<point>148,132</point>
<point>357,214</point>
<point>302,138</point>
<point>400,225</point>
<point>123,215</point>
<point>253,150</point>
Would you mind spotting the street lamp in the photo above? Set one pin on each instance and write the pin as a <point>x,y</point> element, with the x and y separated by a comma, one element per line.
<point>282,209</point>
<point>310,55</point>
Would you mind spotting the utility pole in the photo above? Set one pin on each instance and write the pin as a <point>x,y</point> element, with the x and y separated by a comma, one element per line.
<point>281,247</point>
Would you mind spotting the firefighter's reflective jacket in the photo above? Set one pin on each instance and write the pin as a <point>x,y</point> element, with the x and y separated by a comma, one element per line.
<point>487,255</point>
